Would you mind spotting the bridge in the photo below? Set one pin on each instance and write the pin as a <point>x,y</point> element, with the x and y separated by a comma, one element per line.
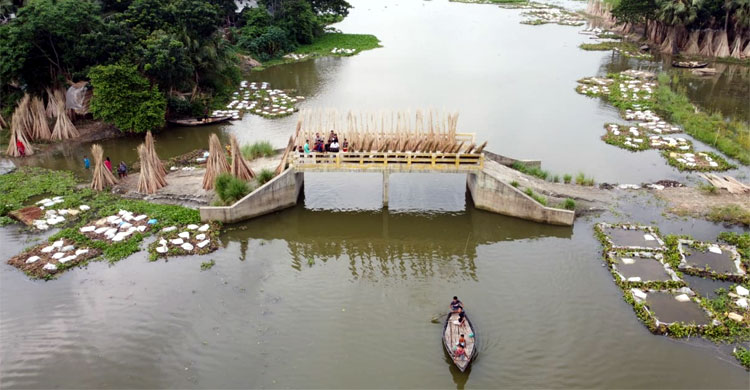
<point>390,144</point>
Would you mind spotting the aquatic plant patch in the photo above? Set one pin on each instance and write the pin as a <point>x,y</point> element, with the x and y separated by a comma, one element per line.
<point>642,269</point>
<point>628,92</point>
<point>118,227</point>
<point>719,261</point>
<point>594,86</point>
<point>664,142</point>
<point>47,260</point>
<point>680,308</point>
<point>625,137</point>
<point>552,15</point>
<point>189,240</point>
<point>17,187</point>
<point>259,99</point>
<point>629,237</point>
<point>701,161</point>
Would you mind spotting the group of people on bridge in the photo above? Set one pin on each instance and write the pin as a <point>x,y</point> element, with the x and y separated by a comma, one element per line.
<point>322,146</point>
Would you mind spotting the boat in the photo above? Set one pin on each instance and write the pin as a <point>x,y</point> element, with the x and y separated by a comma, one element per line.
<point>451,333</point>
<point>212,120</point>
<point>689,64</point>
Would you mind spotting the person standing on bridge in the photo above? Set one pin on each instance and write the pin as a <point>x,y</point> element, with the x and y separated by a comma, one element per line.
<point>307,147</point>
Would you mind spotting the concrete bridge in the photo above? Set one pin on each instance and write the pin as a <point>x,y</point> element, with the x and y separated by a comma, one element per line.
<point>488,191</point>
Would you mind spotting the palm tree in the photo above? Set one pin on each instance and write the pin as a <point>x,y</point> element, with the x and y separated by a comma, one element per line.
<point>677,14</point>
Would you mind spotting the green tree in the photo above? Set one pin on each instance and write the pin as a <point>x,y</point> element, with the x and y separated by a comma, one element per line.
<point>166,60</point>
<point>634,11</point>
<point>125,98</point>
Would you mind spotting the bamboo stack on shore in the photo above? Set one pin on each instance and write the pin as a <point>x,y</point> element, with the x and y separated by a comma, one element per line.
<point>55,99</point>
<point>39,128</point>
<point>103,177</point>
<point>64,128</point>
<point>18,134</point>
<point>3,123</point>
<point>216,164</point>
<point>240,167</point>
<point>149,179</point>
<point>156,161</point>
<point>386,131</point>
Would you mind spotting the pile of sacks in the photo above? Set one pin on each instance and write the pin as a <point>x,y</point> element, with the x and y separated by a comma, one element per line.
<point>192,239</point>
<point>118,227</point>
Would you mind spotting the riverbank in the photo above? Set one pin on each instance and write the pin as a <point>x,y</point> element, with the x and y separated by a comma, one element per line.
<point>329,44</point>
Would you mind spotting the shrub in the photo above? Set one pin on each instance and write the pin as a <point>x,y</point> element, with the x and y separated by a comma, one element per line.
<point>542,200</point>
<point>567,178</point>
<point>230,189</point>
<point>568,204</point>
<point>707,188</point>
<point>731,213</point>
<point>556,179</point>
<point>264,176</point>
<point>529,170</point>
<point>257,149</point>
<point>580,179</point>
<point>514,183</point>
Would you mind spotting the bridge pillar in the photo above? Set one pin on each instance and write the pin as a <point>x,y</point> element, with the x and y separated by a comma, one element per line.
<point>385,189</point>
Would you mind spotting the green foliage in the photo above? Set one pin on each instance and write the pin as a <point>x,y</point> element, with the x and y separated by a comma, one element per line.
<point>18,187</point>
<point>708,188</point>
<point>514,183</point>
<point>741,241</point>
<point>542,200</point>
<point>731,213</point>
<point>264,176</point>
<point>126,99</point>
<point>529,170</point>
<point>556,179</point>
<point>730,137</point>
<point>567,178</point>
<point>582,180</point>
<point>230,189</point>
<point>207,265</point>
<point>568,204</point>
<point>329,41</point>
<point>634,11</point>
<point>257,149</point>
<point>743,355</point>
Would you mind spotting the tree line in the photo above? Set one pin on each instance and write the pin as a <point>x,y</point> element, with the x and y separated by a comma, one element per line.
<point>163,56</point>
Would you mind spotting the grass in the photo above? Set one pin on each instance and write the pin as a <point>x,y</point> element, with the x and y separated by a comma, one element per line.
<point>207,265</point>
<point>741,241</point>
<point>730,137</point>
<point>323,45</point>
<point>230,189</point>
<point>542,200</point>
<point>514,183</point>
<point>730,213</point>
<point>264,176</point>
<point>743,355</point>
<point>628,49</point>
<point>529,170</point>
<point>707,188</point>
<point>567,178</point>
<point>582,180</point>
<point>257,149</point>
<point>568,204</point>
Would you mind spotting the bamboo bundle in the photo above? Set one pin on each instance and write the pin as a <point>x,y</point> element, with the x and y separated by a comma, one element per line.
<point>707,47</point>
<point>149,180</point>
<point>55,98</point>
<point>746,52</point>
<point>736,51</point>
<point>157,163</point>
<point>240,168</point>
<point>18,134</point>
<point>3,123</point>
<point>40,127</point>
<point>721,48</point>
<point>282,164</point>
<point>103,177</point>
<point>64,128</point>
<point>691,47</point>
<point>216,164</point>
<point>23,118</point>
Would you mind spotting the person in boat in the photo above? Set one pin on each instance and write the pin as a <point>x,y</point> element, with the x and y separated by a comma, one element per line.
<point>461,321</point>
<point>460,352</point>
<point>461,341</point>
<point>21,148</point>
<point>455,304</point>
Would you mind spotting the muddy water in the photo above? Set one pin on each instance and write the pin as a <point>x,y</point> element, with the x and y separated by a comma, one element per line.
<point>648,269</point>
<point>667,309</point>
<point>336,293</point>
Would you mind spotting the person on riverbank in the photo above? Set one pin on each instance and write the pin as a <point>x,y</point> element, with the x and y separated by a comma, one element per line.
<point>86,162</point>
<point>122,170</point>
<point>21,148</point>
<point>108,164</point>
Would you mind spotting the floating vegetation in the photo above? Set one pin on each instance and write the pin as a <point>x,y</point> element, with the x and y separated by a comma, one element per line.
<point>718,261</point>
<point>257,98</point>
<point>638,138</point>
<point>44,261</point>
<point>552,15</point>
<point>629,237</point>
<point>117,227</point>
<point>643,270</point>
<point>190,240</point>
<point>701,161</point>
<point>594,86</point>
<point>669,143</point>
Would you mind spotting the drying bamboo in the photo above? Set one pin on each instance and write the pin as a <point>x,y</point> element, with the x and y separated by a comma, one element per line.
<point>55,98</point>
<point>157,163</point>
<point>3,123</point>
<point>282,164</point>
<point>721,48</point>
<point>149,180</point>
<point>736,51</point>
<point>691,47</point>
<point>216,164</point>
<point>40,127</point>
<point>64,128</point>
<point>240,168</point>
<point>707,48</point>
<point>103,177</point>
<point>22,116</point>
<point>18,134</point>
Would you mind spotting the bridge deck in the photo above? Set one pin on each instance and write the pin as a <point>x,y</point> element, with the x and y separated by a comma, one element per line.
<point>387,161</point>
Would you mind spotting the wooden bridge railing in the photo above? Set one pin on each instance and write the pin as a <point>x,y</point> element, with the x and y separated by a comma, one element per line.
<point>388,160</point>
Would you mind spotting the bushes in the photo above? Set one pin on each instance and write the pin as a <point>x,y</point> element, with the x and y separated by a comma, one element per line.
<point>542,200</point>
<point>582,180</point>
<point>730,213</point>
<point>264,176</point>
<point>568,204</point>
<point>230,189</point>
<point>533,171</point>
<point>567,178</point>
<point>257,149</point>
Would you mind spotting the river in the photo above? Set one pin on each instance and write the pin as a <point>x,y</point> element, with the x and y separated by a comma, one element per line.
<point>338,293</point>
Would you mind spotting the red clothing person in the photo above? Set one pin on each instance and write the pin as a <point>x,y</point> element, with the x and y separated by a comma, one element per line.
<point>108,164</point>
<point>21,148</point>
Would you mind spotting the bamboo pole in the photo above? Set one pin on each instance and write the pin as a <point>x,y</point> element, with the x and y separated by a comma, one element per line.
<point>240,168</point>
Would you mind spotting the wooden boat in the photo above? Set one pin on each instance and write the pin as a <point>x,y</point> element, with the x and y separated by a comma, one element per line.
<point>212,120</point>
<point>689,64</point>
<point>451,333</point>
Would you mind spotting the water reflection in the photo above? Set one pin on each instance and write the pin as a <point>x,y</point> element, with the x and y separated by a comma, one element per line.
<point>383,245</point>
